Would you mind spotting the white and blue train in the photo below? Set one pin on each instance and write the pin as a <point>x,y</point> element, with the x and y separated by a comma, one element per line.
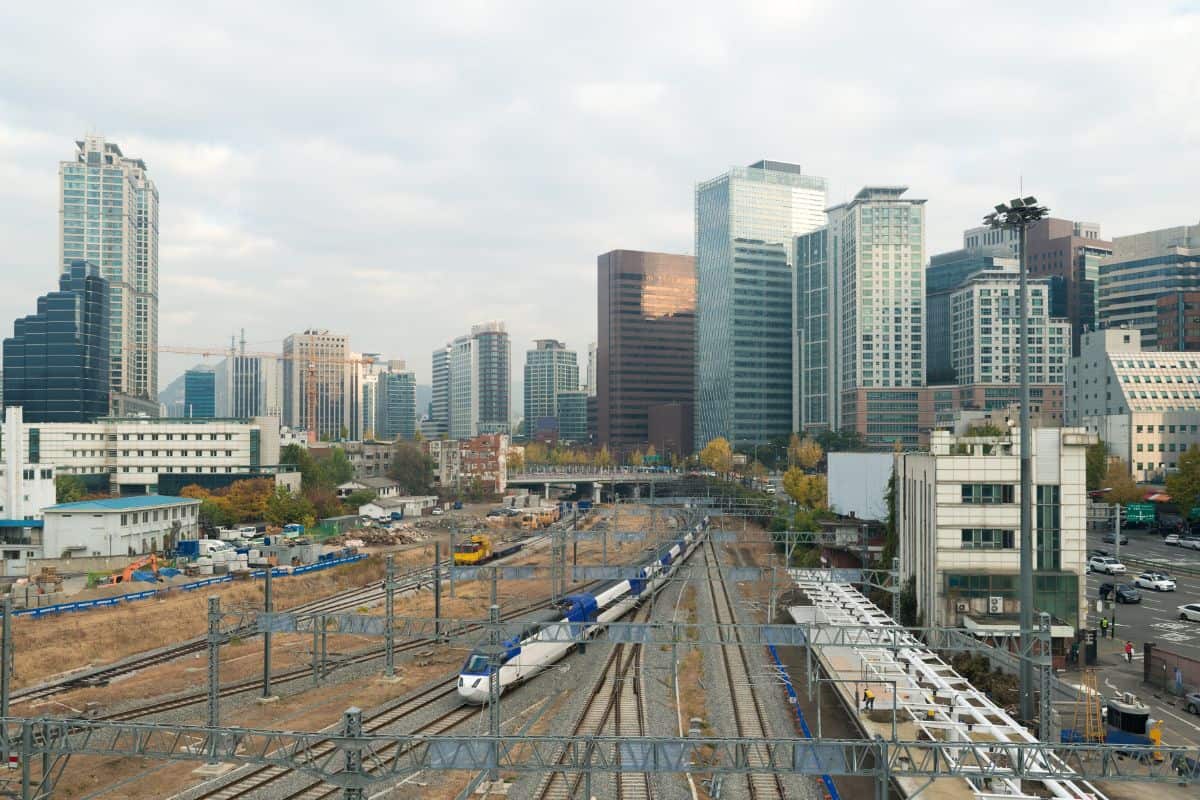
<point>544,641</point>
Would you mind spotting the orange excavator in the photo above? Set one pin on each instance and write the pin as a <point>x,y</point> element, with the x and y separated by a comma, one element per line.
<point>126,575</point>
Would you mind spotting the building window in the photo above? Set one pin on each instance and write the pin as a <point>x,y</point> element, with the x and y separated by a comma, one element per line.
<point>1049,528</point>
<point>987,493</point>
<point>987,539</point>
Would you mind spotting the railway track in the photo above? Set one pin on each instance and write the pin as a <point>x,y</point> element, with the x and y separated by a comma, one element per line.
<point>747,710</point>
<point>614,706</point>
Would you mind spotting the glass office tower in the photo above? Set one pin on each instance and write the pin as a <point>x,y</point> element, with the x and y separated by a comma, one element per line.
<point>108,215</point>
<point>396,405</point>
<point>745,223</point>
<point>56,363</point>
<point>550,368</point>
<point>200,393</point>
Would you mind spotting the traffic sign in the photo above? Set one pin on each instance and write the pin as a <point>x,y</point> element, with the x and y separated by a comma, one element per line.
<point>1139,512</point>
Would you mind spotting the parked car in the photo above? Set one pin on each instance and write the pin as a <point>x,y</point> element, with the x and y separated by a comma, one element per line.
<point>1111,538</point>
<point>437,511</point>
<point>1120,593</point>
<point>1156,581</point>
<point>1190,542</point>
<point>1190,611</point>
<point>1106,564</point>
<point>1171,539</point>
<point>1191,701</point>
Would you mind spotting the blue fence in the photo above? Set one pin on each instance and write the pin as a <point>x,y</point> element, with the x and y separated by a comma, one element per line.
<point>795,701</point>
<point>109,602</point>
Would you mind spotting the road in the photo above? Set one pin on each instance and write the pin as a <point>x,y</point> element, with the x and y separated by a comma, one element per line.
<point>1155,618</point>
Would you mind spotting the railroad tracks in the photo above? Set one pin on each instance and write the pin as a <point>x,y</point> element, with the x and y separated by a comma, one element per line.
<point>747,710</point>
<point>615,706</point>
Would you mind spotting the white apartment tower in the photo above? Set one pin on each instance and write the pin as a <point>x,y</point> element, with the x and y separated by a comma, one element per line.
<point>108,214</point>
<point>860,317</point>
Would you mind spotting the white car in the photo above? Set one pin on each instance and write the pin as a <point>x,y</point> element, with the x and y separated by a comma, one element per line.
<point>437,512</point>
<point>1171,539</point>
<point>1156,581</point>
<point>1190,542</point>
<point>1191,611</point>
<point>1106,564</point>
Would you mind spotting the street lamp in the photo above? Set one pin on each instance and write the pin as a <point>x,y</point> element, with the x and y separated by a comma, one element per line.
<point>1019,214</point>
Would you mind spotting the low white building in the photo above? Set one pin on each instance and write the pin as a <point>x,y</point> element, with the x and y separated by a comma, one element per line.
<point>382,487</point>
<point>119,526</point>
<point>1145,405</point>
<point>133,452</point>
<point>958,520</point>
<point>408,506</point>
<point>26,488</point>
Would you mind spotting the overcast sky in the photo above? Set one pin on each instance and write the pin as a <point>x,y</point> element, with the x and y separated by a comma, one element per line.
<point>398,171</point>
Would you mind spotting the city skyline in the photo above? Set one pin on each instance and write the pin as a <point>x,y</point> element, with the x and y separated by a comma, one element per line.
<point>593,154</point>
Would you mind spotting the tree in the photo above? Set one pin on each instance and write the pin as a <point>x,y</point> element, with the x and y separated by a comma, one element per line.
<point>1122,488</point>
<point>516,461</point>
<point>333,467</point>
<point>69,489</point>
<point>793,450</point>
<point>834,441</point>
<point>536,453</point>
<point>636,459</point>
<point>807,490</point>
<point>603,457</point>
<point>412,469</point>
<point>357,499</point>
<point>284,508</point>
<point>299,456</point>
<point>651,454</point>
<point>717,455</point>
<point>809,454</point>
<point>1184,485</point>
<point>1097,465</point>
<point>984,429</point>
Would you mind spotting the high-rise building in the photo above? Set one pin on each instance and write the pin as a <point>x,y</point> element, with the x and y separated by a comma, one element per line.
<point>1144,267</point>
<point>860,318</point>
<point>745,222</point>
<point>946,274</point>
<point>317,367</point>
<point>249,386</point>
<point>479,380</point>
<point>439,404</point>
<point>396,404</point>
<point>200,393</point>
<point>550,368</point>
<point>646,351</point>
<point>56,365</point>
<point>985,333</point>
<point>571,411</point>
<point>1179,321</point>
<point>108,215</point>
<point>1069,254</point>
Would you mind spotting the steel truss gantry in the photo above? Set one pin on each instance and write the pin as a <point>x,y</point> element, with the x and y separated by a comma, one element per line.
<point>357,761</point>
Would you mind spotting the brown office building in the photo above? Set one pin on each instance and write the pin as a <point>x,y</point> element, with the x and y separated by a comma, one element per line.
<point>1069,254</point>
<point>1179,321</point>
<point>646,349</point>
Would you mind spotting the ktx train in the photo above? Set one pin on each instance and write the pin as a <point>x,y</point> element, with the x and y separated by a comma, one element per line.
<point>578,617</point>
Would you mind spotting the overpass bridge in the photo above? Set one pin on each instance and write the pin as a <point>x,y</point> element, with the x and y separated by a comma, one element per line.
<point>591,476</point>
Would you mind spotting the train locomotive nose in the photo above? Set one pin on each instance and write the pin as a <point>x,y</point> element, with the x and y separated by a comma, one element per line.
<point>473,689</point>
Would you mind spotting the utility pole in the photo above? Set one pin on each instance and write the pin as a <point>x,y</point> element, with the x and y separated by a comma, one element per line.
<point>268,606</point>
<point>389,606</point>
<point>214,673</point>
<point>6,661</point>
<point>437,590</point>
<point>351,730</point>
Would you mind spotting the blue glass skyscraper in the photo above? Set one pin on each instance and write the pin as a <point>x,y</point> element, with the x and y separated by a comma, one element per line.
<point>396,405</point>
<point>200,393</point>
<point>56,364</point>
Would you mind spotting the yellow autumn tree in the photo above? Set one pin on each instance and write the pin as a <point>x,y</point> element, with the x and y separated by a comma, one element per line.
<point>717,455</point>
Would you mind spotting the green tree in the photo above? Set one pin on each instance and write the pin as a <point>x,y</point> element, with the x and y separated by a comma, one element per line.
<point>1097,465</point>
<point>717,455</point>
<point>299,456</point>
<point>356,499</point>
<point>515,461</point>
<point>412,469</point>
<point>333,467</point>
<point>284,507</point>
<point>1184,485</point>
<point>69,489</point>
<point>835,441</point>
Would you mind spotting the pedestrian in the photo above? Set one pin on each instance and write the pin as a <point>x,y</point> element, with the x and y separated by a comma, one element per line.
<point>868,699</point>
<point>1103,627</point>
<point>1129,652</point>
<point>1074,653</point>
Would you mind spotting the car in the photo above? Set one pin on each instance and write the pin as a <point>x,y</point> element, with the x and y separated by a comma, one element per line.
<point>437,511</point>
<point>1190,611</point>
<point>1171,539</point>
<point>1106,564</point>
<point>1111,538</point>
<point>1156,581</point>
<point>1191,701</point>
<point>1190,542</point>
<point>1120,592</point>
<point>496,512</point>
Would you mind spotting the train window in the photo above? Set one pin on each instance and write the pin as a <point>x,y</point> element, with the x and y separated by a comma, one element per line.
<point>477,664</point>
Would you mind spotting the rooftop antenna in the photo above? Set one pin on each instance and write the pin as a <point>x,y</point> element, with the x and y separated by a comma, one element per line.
<point>243,341</point>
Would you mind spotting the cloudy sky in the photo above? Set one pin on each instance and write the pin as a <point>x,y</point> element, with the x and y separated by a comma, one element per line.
<point>398,171</point>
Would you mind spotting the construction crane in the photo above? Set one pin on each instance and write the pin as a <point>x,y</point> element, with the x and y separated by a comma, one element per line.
<point>309,370</point>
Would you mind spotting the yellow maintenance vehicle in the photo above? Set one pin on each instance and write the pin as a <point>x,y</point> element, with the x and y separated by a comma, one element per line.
<point>479,549</point>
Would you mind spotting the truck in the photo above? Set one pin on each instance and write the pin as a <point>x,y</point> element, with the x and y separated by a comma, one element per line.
<point>479,549</point>
<point>293,530</point>
<point>195,548</point>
